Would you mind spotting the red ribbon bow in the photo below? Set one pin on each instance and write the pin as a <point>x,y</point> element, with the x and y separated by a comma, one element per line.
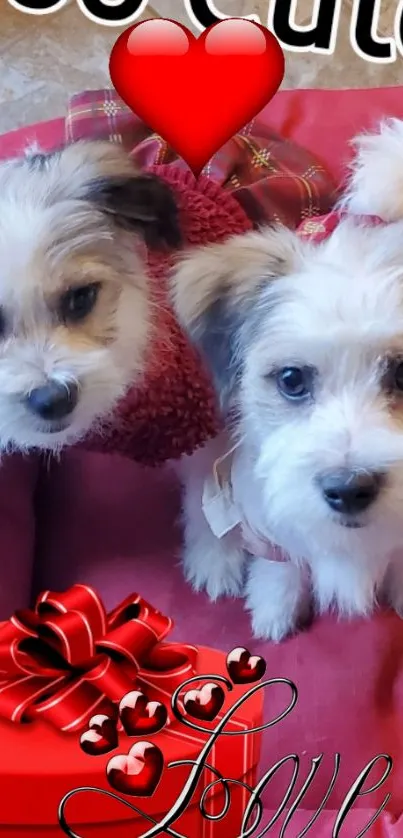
<point>67,659</point>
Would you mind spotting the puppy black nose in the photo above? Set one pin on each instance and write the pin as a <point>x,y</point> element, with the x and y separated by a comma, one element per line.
<point>53,401</point>
<point>348,492</point>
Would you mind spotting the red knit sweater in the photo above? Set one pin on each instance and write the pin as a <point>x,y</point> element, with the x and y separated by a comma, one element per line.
<point>173,411</point>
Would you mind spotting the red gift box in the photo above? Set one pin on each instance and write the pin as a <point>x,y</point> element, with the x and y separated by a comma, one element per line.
<point>67,660</point>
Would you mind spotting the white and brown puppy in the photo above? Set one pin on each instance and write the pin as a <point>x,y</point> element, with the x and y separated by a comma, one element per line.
<point>305,343</point>
<point>74,305</point>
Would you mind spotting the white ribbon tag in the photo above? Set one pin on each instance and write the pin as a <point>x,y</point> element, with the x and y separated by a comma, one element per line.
<point>219,508</point>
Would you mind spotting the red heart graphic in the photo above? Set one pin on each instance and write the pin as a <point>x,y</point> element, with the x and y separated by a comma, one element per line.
<point>204,703</point>
<point>244,668</point>
<point>140,716</point>
<point>196,92</point>
<point>138,772</point>
<point>101,736</point>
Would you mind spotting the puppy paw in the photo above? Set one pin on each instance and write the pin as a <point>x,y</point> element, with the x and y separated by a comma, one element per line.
<point>273,626</point>
<point>276,600</point>
<point>217,571</point>
<point>344,588</point>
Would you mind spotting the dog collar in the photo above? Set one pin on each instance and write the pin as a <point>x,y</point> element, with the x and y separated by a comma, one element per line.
<point>320,228</point>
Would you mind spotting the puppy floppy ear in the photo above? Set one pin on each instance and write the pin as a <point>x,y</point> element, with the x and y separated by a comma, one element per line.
<point>142,203</point>
<point>375,186</point>
<point>219,293</point>
<point>103,174</point>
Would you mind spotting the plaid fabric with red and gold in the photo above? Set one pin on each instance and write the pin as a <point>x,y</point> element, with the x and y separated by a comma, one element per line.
<point>273,179</point>
<point>320,228</point>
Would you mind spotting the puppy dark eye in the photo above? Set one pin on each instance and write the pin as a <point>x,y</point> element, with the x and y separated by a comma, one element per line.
<point>398,376</point>
<point>78,303</point>
<point>295,382</point>
<point>393,376</point>
<point>2,323</point>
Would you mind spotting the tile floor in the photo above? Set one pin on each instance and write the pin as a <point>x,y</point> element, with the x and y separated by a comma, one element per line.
<point>43,59</point>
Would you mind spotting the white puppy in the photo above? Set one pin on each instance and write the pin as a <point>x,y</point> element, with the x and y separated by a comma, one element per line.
<point>305,344</point>
<point>74,305</point>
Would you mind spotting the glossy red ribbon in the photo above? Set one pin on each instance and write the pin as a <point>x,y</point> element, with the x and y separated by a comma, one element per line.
<point>67,659</point>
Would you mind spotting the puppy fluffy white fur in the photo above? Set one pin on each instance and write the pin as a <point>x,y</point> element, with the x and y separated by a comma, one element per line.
<point>74,306</point>
<point>269,302</point>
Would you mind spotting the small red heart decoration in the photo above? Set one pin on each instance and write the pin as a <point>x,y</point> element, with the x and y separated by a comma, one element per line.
<point>138,772</point>
<point>140,716</point>
<point>244,668</point>
<point>101,736</point>
<point>204,703</point>
<point>196,93</point>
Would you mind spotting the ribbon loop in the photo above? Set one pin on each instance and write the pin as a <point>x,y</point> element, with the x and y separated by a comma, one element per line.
<point>67,659</point>
<point>80,598</point>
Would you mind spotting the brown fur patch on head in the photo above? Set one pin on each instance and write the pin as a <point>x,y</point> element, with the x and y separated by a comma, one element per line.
<point>216,292</point>
<point>103,175</point>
